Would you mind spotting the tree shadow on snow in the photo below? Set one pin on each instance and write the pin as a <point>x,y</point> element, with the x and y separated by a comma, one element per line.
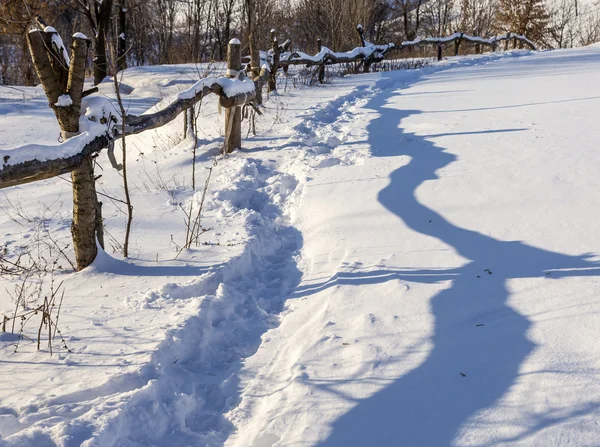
<point>429,405</point>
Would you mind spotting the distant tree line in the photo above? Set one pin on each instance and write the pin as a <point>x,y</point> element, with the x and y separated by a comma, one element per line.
<point>145,32</point>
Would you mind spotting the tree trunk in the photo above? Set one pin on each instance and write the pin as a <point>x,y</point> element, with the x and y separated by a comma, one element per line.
<point>275,66</point>
<point>122,40</point>
<point>85,206</point>
<point>100,59</point>
<point>254,52</point>
<point>64,80</point>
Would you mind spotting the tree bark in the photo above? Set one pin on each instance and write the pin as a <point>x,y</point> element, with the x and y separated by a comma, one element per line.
<point>61,79</point>
<point>85,206</point>
<point>100,60</point>
<point>254,52</point>
<point>275,66</point>
<point>122,40</point>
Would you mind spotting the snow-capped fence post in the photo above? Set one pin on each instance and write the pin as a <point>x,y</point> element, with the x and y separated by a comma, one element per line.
<point>275,65</point>
<point>322,66</point>
<point>361,35</point>
<point>439,51</point>
<point>366,61</point>
<point>62,78</point>
<point>233,115</point>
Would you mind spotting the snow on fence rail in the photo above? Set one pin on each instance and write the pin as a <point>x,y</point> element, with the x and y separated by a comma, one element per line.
<point>372,53</point>
<point>368,54</point>
<point>279,57</point>
<point>459,37</point>
<point>35,162</point>
<point>48,161</point>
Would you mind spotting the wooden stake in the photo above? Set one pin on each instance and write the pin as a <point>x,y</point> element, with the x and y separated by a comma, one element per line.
<point>322,66</point>
<point>233,116</point>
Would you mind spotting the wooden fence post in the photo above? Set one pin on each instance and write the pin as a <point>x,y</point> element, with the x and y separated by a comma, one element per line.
<point>322,66</point>
<point>185,123</point>
<point>439,51</point>
<point>275,66</point>
<point>457,43</point>
<point>233,115</point>
<point>507,42</point>
<point>361,34</point>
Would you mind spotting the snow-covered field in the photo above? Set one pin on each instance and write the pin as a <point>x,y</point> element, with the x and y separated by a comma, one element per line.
<point>402,258</point>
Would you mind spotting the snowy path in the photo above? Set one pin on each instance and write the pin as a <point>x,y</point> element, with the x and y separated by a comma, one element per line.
<point>445,298</point>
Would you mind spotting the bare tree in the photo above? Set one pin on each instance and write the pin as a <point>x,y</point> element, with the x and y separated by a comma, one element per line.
<point>410,14</point>
<point>588,28</point>
<point>477,17</point>
<point>438,17</point>
<point>99,16</point>
<point>526,17</point>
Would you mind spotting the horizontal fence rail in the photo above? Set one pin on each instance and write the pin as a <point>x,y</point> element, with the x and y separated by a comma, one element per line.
<point>459,37</point>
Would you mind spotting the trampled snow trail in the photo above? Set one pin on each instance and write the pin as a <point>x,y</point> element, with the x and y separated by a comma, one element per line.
<point>429,269</point>
<point>179,397</point>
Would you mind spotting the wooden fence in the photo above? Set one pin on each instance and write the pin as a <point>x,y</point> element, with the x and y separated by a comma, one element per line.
<point>234,90</point>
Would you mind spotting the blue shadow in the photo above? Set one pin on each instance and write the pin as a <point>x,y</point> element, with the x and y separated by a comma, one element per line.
<point>479,341</point>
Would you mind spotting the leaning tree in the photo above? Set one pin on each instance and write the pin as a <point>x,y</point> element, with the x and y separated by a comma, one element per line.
<point>62,77</point>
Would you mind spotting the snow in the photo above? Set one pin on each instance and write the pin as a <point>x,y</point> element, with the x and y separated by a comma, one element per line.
<point>43,152</point>
<point>64,101</point>
<point>94,109</point>
<point>446,39</point>
<point>231,87</point>
<point>235,41</point>
<point>365,51</point>
<point>79,36</point>
<point>57,41</point>
<point>401,258</point>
